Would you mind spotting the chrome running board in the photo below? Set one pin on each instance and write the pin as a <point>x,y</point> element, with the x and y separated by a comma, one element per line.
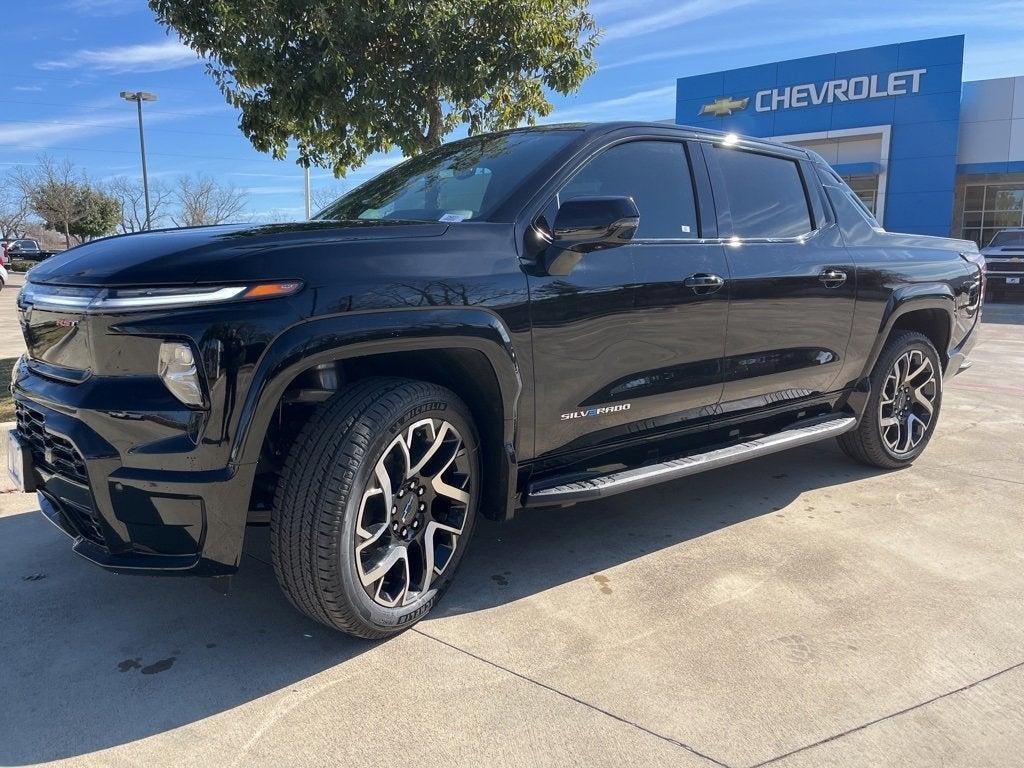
<point>639,477</point>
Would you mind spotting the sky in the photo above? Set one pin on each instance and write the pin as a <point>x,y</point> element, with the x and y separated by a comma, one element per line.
<point>64,62</point>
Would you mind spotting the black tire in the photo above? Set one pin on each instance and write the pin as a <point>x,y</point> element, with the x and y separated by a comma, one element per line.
<point>331,476</point>
<point>868,443</point>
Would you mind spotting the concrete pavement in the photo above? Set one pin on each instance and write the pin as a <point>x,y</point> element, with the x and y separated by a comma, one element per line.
<point>794,611</point>
<point>12,343</point>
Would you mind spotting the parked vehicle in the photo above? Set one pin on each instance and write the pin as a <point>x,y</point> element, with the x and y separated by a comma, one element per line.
<point>1004,257</point>
<point>3,277</point>
<point>524,319</point>
<point>26,248</point>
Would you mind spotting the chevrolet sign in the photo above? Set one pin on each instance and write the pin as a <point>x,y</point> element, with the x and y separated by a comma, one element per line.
<point>816,94</point>
<point>847,89</point>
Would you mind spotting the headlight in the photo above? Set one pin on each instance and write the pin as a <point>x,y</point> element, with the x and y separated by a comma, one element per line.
<point>76,299</point>
<point>177,368</point>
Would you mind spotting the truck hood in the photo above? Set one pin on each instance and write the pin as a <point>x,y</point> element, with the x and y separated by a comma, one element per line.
<point>223,253</point>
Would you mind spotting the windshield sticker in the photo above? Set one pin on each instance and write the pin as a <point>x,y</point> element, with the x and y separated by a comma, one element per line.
<point>452,217</point>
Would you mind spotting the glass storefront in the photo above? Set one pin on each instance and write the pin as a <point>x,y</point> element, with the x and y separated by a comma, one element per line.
<point>866,188</point>
<point>989,208</point>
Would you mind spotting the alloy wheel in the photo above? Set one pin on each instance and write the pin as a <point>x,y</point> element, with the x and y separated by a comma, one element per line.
<point>413,512</point>
<point>907,403</point>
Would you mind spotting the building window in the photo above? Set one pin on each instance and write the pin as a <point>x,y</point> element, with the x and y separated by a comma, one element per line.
<point>989,208</point>
<point>866,188</point>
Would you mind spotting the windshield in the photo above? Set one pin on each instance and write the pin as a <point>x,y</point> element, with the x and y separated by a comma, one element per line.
<point>460,181</point>
<point>1008,239</point>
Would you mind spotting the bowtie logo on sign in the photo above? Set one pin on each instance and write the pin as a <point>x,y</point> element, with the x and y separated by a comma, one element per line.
<point>724,106</point>
<point>815,94</point>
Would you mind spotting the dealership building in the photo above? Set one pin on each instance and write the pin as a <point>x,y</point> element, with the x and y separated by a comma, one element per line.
<point>925,151</point>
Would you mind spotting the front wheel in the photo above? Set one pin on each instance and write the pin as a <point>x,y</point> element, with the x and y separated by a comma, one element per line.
<point>376,504</point>
<point>903,408</point>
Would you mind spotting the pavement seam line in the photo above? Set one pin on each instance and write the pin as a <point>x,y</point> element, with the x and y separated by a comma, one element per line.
<point>890,716</point>
<point>973,474</point>
<point>257,559</point>
<point>572,698</point>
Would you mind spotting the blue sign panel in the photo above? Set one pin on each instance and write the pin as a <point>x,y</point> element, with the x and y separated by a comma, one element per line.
<point>912,88</point>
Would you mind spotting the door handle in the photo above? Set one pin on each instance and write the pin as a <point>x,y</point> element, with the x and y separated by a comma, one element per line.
<point>832,277</point>
<point>702,283</point>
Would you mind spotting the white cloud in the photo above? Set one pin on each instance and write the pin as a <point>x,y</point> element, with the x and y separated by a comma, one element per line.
<point>78,125</point>
<point>292,189</point>
<point>150,57</point>
<point>263,175</point>
<point>685,12</point>
<point>28,88</point>
<point>104,7</point>
<point>651,104</point>
<point>993,59</point>
<point>1010,17</point>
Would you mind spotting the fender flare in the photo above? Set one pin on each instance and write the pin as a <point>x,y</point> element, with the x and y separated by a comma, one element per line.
<point>905,300</point>
<point>358,334</point>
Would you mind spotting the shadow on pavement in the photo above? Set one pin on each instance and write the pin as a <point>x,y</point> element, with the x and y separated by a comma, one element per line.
<point>543,548</point>
<point>92,660</point>
<point>1004,312</point>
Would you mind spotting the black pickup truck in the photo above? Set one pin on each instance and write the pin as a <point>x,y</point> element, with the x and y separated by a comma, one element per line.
<point>525,319</point>
<point>25,248</point>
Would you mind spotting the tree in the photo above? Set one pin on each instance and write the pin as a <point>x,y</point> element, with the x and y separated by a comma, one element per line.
<point>324,196</point>
<point>14,210</point>
<point>54,192</point>
<point>346,78</point>
<point>131,195</point>
<point>201,200</point>
<point>101,214</point>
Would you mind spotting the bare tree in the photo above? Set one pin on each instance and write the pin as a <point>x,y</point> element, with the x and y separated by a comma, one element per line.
<point>14,211</point>
<point>132,196</point>
<point>54,191</point>
<point>201,200</point>
<point>324,196</point>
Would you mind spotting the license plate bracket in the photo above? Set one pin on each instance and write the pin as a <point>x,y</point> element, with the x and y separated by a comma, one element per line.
<point>19,463</point>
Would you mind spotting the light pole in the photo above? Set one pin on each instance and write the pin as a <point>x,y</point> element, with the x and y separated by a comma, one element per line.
<point>138,97</point>
<point>308,195</point>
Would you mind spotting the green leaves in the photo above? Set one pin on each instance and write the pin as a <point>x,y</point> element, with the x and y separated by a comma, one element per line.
<point>343,79</point>
<point>100,214</point>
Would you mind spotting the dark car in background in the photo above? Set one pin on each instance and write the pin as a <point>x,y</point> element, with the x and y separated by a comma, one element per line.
<point>525,319</point>
<point>1004,257</point>
<point>26,249</point>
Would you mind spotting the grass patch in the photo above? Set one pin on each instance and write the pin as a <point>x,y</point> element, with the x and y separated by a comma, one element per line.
<point>6,403</point>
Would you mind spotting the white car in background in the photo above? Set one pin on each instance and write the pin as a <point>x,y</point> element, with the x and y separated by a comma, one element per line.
<point>1004,261</point>
<point>3,277</point>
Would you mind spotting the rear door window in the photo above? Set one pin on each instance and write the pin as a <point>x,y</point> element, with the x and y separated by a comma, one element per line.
<point>766,194</point>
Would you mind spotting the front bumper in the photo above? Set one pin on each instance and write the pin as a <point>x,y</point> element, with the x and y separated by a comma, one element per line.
<point>130,519</point>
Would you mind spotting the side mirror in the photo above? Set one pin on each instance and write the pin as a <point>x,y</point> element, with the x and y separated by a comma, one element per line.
<point>586,224</point>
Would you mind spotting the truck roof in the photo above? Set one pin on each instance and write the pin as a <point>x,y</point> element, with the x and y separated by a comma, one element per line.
<point>597,128</point>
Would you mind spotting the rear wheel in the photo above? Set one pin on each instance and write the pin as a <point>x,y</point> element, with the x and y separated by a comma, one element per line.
<point>375,506</point>
<point>906,395</point>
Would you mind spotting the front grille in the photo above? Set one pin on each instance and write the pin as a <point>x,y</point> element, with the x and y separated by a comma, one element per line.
<point>84,521</point>
<point>49,450</point>
<point>1005,265</point>
<point>57,455</point>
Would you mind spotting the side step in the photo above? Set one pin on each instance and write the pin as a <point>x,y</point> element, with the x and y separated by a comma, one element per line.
<point>639,477</point>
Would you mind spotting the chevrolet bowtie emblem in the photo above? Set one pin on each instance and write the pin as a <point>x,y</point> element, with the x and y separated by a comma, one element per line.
<point>723,106</point>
